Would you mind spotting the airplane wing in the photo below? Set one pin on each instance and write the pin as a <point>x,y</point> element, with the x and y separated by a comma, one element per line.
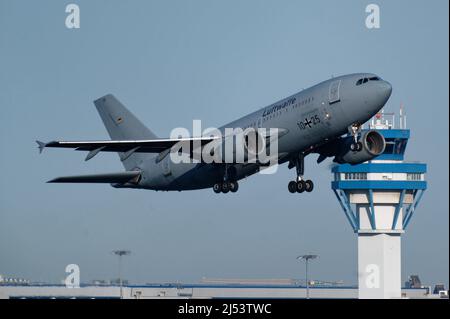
<point>128,146</point>
<point>121,178</point>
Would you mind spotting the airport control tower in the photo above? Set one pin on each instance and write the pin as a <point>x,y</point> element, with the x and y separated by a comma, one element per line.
<point>379,198</point>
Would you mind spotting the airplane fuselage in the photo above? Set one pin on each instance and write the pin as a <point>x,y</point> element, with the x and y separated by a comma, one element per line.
<point>309,118</point>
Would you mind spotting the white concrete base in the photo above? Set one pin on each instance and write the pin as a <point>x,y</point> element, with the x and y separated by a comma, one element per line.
<point>379,265</point>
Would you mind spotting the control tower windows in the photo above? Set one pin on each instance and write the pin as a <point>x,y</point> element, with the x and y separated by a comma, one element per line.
<point>356,176</point>
<point>414,177</point>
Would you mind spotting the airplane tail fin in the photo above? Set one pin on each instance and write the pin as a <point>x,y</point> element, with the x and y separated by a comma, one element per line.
<point>121,124</point>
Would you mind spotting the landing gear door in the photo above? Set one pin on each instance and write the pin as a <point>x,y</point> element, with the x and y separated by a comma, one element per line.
<point>334,94</point>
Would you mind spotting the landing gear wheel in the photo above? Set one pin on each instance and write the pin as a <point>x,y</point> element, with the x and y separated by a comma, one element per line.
<point>356,147</point>
<point>301,186</point>
<point>359,146</point>
<point>234,186</point>
<point>292,186</point>
<point>217,188</point>
<point>225,187</point>
<point>309,186</point>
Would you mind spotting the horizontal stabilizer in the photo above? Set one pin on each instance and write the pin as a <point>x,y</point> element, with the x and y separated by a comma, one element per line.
<point>121,177</point>
<point>41,146</point>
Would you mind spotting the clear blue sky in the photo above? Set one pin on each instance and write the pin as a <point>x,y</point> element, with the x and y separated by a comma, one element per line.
<point>174,61</point>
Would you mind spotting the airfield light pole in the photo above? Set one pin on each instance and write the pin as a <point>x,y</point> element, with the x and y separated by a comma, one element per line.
<point>306,258</point>
<point>121,253</point>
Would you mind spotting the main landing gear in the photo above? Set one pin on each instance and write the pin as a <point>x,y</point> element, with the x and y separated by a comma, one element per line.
<point>226,187</point>
<point>229,183</point>
<point>300,185</point>
<point>354,129</point>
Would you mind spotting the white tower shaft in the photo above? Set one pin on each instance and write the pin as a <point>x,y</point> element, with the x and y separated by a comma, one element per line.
<point>379,265</point>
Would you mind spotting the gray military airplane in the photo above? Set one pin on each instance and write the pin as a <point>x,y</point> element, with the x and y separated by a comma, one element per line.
<point>325,119</point>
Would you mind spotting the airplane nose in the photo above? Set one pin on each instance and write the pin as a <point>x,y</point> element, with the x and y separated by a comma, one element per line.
<point>386,89</point>
<point>382,91</point>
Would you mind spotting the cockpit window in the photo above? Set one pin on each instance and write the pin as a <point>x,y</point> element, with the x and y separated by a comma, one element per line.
<point>365,80</point>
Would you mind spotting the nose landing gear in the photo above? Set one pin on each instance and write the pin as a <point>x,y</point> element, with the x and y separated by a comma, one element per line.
<point>356,147</point>
<point>354,130</point>
<point>300,185</point>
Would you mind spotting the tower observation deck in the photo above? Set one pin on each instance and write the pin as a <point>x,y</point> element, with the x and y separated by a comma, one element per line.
<point>379,198</point>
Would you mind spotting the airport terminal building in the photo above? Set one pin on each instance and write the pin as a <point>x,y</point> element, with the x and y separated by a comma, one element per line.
<point>191,291</point>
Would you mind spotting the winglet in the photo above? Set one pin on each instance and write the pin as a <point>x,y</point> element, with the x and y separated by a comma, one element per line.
<point>41,146</point>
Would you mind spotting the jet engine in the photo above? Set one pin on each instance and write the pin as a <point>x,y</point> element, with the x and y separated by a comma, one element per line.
<point>371,143</point>
<point>238,147</point>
